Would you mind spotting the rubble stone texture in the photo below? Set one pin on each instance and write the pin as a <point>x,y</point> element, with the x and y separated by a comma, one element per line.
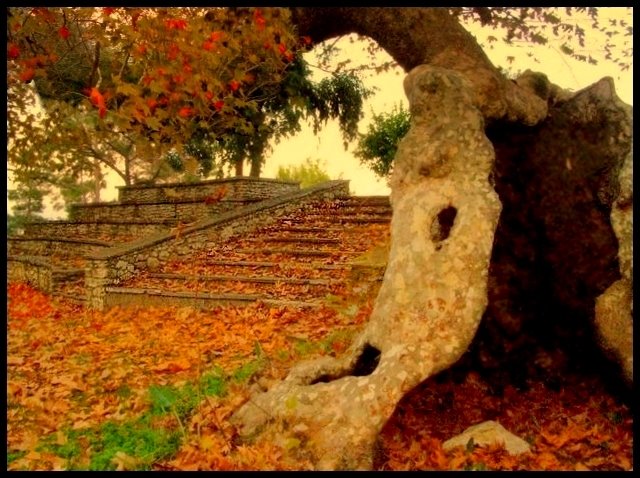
<point>434,291</point>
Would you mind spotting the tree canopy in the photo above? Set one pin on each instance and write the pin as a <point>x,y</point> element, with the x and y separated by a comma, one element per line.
<point>148,92</point>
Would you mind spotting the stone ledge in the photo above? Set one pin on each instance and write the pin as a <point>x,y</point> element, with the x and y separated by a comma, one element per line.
<point>209,181</point>
<point>164,202</point>
<point>230,278</point>
<point>120,296</point>
<point>93,242</point>
<point>35,260</point>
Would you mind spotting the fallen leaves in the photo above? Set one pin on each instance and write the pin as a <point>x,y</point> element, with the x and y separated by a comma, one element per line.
<point>561,439</point>
<point>92,366</point>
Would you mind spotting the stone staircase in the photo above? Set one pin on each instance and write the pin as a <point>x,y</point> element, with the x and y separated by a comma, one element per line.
<point>302,258</point>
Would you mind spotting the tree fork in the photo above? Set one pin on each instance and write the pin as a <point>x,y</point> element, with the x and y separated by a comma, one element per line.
<point>430,36</point>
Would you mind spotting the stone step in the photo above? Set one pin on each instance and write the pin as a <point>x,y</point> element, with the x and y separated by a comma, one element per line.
<point>309,265</point>
<point>300,239</point>
<point>366,200</point>
<point>230,278</point>
<point>296,252</point>
<point>202,300</point>
<point>364,210</point>
<point>338,219</point>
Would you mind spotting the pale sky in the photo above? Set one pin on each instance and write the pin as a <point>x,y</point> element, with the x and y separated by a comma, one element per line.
<point>328,145</point>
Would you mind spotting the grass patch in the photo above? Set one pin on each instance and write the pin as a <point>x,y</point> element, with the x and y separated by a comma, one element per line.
<point>248,370</point>
<point>213,383</point>
<point>138,440</point>
<point>138,443</point>
<point>14,455</point>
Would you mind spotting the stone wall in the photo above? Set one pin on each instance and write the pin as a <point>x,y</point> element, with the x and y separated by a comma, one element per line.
<point>112,266</point>
<point>32,270</point>
<point>92,229</point>
<point>42,246</point>
<point>166,212</point>
<point>243,189</point>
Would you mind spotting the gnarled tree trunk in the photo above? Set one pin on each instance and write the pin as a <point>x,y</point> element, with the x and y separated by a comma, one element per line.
<point>445,213</point>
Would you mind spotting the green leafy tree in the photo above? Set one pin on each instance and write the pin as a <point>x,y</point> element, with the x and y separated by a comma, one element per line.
<point>378,146</point>
<point>307,174</point>
<point>152,92</point>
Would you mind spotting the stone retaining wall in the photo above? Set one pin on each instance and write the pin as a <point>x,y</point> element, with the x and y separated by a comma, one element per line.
<point>187,211</point>
<point>92,229</point>
<point>112,266</point>
<point>33,270</point>
<point>243,189</point>
<point>44,246</point>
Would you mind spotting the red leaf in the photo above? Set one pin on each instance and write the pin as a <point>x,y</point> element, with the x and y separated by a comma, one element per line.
<point>108,10</point>
<point>97,99</point>
<point>176,24</point>
<point>13,51</point>
<point>27,75</point>
<point>218,105</point>
<point>207,45</point>
<point>185,112</point>
<point>260,22</point>
<point>64,32</point>
<point>215,36</point>
<point>173,51</point>
<point>234,85</point>
<point>282,47</point>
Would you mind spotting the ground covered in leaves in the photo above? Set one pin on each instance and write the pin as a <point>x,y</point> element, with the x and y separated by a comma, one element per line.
<point>153,388</point>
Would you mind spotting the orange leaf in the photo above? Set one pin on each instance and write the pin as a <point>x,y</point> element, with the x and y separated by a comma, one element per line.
<point>185,112</point>
<point>215,36</point>
<point>173,366</point>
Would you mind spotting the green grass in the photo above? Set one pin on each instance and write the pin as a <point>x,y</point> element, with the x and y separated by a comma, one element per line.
<point>248,370</point>
<point>141,438</point>
<point>14,455</point>
<point>137,438</point>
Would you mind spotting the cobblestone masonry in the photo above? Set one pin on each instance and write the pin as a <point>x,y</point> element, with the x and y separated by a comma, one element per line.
<point>32,270</point>
<point>116,264</point>
<point>44,246</point>
<point>92,229</point>
<point>243,189</point>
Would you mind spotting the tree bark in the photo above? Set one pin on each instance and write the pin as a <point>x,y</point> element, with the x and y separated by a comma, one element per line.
<point>429,36</point>
<point>445,213</point>
<point>239,167</point>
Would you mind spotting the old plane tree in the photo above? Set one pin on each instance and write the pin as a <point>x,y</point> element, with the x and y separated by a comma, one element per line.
<point>491,186</point>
